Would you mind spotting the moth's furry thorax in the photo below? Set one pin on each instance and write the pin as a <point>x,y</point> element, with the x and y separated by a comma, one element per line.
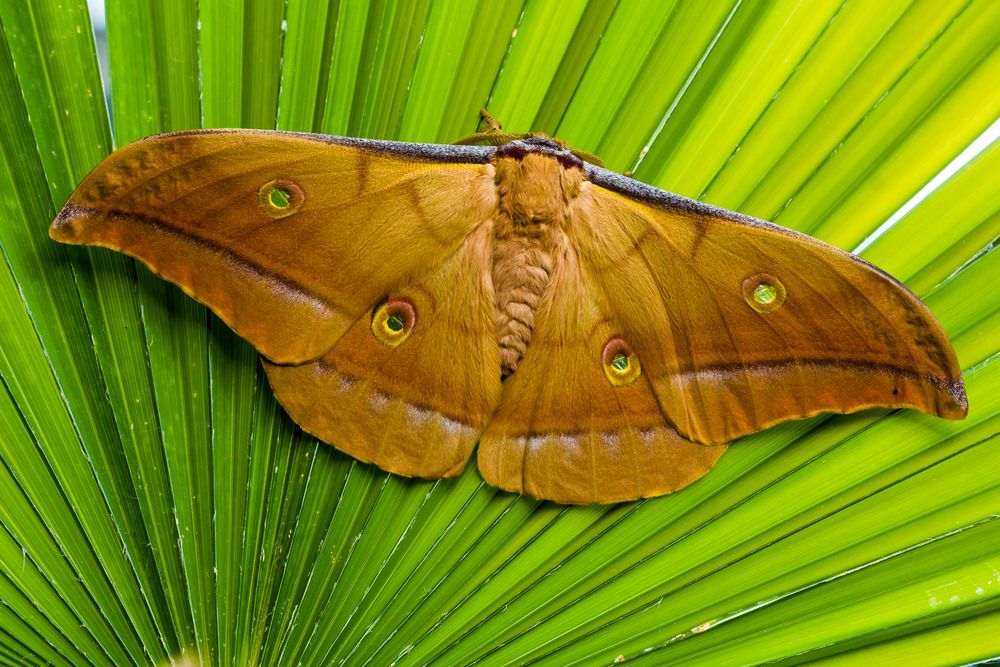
<point>536,188</point>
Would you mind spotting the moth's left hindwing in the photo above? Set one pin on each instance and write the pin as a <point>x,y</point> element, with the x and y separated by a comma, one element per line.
<point>414,400</point>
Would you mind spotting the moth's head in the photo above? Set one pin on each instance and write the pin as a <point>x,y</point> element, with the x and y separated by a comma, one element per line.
<point>519,144</point>
<point>544,141</point>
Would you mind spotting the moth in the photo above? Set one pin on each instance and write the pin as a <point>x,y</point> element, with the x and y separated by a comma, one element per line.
<point>600,339</point>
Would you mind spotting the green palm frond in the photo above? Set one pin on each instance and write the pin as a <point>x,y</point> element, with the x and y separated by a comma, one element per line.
<point>156,504</point>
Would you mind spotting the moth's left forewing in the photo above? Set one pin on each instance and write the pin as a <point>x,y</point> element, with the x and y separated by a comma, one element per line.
<point>742,324</point>
<point>359,218</point>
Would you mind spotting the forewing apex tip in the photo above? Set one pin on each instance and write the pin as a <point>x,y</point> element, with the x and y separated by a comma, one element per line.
<point>62,228</point>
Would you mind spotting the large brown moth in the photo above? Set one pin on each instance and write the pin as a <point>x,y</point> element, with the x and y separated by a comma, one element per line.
<point>601,340</point>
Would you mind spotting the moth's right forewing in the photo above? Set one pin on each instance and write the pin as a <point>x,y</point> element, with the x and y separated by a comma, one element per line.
<point>742,324</point>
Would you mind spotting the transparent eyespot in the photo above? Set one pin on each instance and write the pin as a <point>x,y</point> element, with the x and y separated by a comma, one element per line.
<point>621,365</point>
<point>280,198</point>
<point>393,321</point>
<point>763,292</point>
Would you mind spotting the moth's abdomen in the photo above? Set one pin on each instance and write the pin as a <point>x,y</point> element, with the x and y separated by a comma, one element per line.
<point>534,192</point>
<point>522,267</point>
